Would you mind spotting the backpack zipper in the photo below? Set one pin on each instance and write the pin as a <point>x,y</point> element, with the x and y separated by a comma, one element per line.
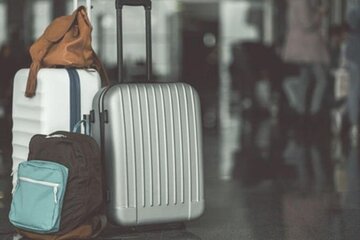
<point>55,186</point>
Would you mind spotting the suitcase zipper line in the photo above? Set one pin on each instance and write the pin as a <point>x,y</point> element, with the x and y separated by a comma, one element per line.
<point>196,147</point>
<point>181,150</point>
<point>101,106</point>
<point>188,146</point>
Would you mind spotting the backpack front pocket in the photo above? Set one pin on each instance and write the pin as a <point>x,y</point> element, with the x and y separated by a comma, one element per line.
<point>38,196</point>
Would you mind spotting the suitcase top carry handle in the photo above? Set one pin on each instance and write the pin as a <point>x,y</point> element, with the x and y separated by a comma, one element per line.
<point>145,3</point>
<point>120,57</point>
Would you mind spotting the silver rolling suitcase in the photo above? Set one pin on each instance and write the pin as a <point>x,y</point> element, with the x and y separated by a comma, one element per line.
<point>151,140</point>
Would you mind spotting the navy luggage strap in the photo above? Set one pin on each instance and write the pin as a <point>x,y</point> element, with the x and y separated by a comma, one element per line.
<point>75,98</point>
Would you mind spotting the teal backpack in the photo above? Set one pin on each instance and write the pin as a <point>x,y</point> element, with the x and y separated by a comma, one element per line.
<point>38,196</point>
<point>60,187</point>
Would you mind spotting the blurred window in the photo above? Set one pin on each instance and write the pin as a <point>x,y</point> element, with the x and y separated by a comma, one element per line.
<point>3,27</point>
<point>42,17</point>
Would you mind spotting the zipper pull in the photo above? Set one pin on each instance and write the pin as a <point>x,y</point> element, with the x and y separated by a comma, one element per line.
<point>55,194</point>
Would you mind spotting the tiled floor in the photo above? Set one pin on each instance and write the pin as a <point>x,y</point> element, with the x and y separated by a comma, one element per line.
<point>271,183</point>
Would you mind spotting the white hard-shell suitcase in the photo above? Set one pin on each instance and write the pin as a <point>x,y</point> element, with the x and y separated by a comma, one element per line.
<point>151,140</point>
<point>50,110</point>
<point>62,97</point>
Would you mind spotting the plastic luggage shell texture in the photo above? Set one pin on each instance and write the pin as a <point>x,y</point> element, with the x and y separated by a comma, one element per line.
<point>153,149</point>
<point>49,110</point>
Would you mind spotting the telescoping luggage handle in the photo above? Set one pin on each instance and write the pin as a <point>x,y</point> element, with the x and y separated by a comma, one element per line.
<point>145,3</point>
<point>119,6</point>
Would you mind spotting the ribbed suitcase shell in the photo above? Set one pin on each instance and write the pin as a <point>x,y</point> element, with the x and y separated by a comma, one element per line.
<point>153,149</point>
<point>49,109</point>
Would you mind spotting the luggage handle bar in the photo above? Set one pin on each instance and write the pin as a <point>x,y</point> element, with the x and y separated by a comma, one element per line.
<point>145,3</point>
<point>120,56</point>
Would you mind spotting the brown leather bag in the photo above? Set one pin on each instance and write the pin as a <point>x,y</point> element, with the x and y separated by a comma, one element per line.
<point>66,42</point>
<point>90,230</point>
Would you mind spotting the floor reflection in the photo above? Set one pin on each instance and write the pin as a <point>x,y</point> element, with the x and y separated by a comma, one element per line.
<point>259,155</point>
<point>314,177</point>
<point>264,179</point>
<point>158,235</point>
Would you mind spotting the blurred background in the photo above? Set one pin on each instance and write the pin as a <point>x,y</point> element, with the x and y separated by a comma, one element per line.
<point>280,92</point>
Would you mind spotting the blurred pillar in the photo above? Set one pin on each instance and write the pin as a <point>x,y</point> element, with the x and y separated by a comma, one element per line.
<point>234,28</point>
<point>19,22</point>
<point>100,36</point>
<point>280,19</point>
<point>337,11</point>
<point>58,8</point>
<point>268,22</point>
<point>175,38</point>
<point>15,20</point>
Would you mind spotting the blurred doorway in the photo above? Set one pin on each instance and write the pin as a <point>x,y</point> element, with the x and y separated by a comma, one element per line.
<point>200,61</point>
